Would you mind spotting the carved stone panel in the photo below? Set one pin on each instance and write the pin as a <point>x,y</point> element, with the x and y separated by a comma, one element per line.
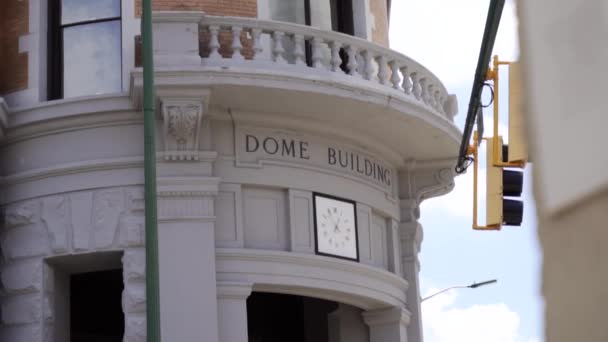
<point>55,214</point>
<point>21,214</point>
<point>107,207</point>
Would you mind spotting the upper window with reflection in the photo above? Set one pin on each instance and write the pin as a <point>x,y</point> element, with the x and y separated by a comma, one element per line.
<point>84,48</point>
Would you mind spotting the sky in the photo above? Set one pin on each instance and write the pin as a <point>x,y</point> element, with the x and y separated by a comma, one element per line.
<point>445,36</point>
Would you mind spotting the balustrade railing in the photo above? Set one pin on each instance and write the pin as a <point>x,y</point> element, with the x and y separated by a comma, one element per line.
<point>246,41</point>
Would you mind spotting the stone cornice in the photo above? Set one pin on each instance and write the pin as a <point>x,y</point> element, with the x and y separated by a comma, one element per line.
<point>54,117</point>
<point>206,76</point>
<point>233,290</point>
<point>387,316</point>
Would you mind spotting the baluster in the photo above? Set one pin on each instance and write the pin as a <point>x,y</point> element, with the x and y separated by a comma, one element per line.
<point>277,48</point>
<point>336,60</point>
<point>369,66</point>
<point>431,96</point>
<point>298,52</point>
<point>439,101</point>
<point>236,43</point>
<point>257,45</point>
<point>395,79</point>
<point>214,43</point>
<point>316,53</point>
<point>424,94</point>
<point>406,83</point>
<point>415,85</point>
<point>383,70</point>
<point>352,60</point>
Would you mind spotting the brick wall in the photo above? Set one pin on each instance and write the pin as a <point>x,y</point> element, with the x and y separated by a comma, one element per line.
<point>14,18</point>
<point>237,8</point>
<point>380,32</point>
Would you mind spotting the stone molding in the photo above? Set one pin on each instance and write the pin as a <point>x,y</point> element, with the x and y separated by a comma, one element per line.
<point>387,316</point>
<point>233,290</point>
<point>187,186</point>
<point>69,114</point>
<point>186,198</point>
<point>290,273</point>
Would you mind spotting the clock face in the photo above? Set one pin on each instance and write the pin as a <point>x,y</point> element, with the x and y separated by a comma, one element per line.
<point>335,227</point>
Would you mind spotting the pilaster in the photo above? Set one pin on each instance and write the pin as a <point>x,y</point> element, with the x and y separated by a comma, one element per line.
<point>418,182</point>
<point>232,311</point>
<point>187,258</point>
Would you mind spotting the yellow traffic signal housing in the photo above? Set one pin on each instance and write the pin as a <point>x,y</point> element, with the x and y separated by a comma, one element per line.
<point>501,183</point>
<point>493,186</point>
<point>518,149</point>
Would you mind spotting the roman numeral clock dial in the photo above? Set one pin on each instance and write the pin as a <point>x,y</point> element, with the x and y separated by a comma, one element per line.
<point>335,227</point>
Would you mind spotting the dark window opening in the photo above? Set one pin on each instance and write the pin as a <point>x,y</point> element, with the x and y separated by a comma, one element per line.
<point>96,307</point>
<point>342,21</point>
<point>84,48</point>
<point>277,318</point>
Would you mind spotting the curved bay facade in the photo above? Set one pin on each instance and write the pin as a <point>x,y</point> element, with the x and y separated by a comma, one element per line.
<point>257,119</point>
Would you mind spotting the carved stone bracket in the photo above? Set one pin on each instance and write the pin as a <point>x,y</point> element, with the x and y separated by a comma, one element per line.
<point>424,180</point>
<point>182,114</point>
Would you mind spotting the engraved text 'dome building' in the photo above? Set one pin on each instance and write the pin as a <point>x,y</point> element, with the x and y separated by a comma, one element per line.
<point>294,148</point>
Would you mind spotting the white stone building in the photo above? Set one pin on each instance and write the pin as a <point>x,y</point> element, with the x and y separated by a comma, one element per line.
<point>294,150</point>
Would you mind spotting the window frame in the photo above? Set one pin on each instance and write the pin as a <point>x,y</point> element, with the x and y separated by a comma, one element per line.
<point>55,71</point>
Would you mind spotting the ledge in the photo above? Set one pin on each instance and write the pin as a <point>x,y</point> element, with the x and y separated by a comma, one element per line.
<point>357,284</point>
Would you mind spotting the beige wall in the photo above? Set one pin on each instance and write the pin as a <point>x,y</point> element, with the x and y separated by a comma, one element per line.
<point>564,58</point>
<point>380,29</point>
<point>575,272</point>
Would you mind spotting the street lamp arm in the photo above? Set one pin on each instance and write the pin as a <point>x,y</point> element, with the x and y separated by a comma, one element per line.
<point>472,286</point>
<point>444,290</point>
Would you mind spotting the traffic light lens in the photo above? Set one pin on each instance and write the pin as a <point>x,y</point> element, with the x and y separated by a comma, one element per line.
<point>512,212</point>
<point>512,183</point>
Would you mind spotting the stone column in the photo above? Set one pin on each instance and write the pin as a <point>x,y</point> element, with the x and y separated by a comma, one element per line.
<point>232,311</point>
<point>387,325</point>
<point>346,325</point>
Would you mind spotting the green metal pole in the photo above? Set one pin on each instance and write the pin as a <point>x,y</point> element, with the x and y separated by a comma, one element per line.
<point>152,288</point>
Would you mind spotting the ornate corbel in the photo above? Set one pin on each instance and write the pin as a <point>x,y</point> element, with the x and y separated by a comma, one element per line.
<point>182,117</point>
<point>424,180</point>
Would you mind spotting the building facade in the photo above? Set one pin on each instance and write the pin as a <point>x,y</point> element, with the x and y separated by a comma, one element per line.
<point>293,151</point>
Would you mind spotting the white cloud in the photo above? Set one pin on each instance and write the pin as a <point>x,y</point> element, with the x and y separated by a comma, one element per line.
<point>445,35</point>
<point>443,321</point>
